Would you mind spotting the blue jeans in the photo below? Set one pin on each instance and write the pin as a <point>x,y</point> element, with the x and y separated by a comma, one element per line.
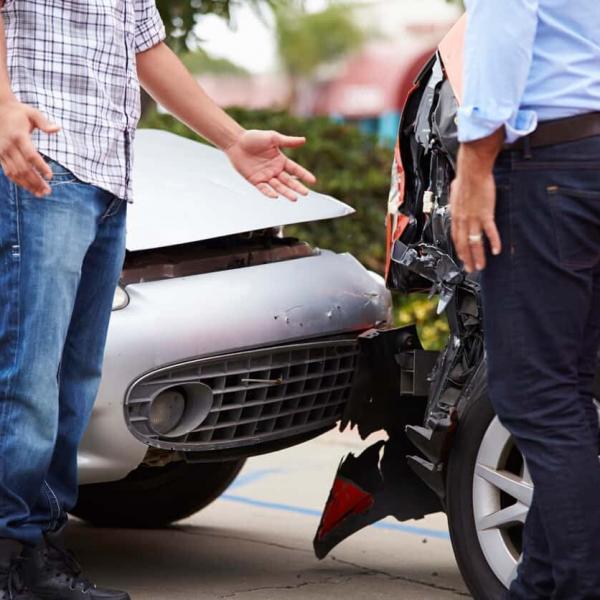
<point>60,261</point>
<point>542,325</point>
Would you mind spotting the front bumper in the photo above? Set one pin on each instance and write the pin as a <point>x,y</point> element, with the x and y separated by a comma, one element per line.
<point>171,322</point>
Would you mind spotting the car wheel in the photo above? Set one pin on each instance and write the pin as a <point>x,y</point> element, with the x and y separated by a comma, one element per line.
<point>489,492</point>
<point>151,497</point>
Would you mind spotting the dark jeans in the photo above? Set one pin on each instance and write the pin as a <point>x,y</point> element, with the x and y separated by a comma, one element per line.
<point>542,325</point>
<point>60,260</point>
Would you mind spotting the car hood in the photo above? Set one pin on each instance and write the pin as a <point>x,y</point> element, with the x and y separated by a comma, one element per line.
<point>186,191</point>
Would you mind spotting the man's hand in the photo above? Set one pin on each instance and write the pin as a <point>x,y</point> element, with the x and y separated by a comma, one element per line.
<point>258,157</point>
<point>473,201</point>
<point>20,160</point>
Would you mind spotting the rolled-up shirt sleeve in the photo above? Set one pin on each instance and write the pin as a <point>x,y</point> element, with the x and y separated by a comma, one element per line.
<point>498,55</point>
<point>149,27</point>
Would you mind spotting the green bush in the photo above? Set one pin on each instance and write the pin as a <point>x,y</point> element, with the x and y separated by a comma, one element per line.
<point>419,309</point>
<point>353,167</point>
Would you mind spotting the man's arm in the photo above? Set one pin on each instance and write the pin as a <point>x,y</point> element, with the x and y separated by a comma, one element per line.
<point>498,54</point>
<point>255,154</point>
<point>18,156</point>
<point>473,200</point>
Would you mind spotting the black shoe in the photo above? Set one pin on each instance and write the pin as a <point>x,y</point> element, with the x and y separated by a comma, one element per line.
<point>11,584</point>
<point>51,572</point>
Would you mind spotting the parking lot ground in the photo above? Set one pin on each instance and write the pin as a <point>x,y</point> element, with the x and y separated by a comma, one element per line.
<point>255,543</point>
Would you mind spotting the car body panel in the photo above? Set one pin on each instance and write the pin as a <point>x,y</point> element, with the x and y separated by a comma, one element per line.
<point>452,51</point>
<point>187,192</point>
<point>227,311</point>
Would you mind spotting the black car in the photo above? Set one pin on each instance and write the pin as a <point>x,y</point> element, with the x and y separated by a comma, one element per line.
<point>446,448</point>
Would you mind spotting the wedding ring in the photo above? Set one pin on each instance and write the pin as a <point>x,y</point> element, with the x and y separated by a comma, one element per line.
<point>475,238</point>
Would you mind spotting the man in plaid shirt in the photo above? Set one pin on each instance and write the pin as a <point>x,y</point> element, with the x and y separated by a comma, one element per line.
<point>69,104</point>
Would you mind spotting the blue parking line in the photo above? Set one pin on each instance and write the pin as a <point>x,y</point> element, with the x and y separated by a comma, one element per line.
<point>311,512</point>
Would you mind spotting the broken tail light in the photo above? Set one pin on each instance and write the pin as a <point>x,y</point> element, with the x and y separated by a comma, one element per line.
<point>396,222</point>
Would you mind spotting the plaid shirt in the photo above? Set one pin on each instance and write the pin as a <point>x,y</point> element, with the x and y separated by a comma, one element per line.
<point>74,60</point>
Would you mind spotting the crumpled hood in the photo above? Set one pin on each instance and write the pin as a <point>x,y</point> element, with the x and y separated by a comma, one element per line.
<point>185,191</point>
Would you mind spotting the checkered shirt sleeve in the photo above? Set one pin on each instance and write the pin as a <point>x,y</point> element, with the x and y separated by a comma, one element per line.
<point>149,28</point>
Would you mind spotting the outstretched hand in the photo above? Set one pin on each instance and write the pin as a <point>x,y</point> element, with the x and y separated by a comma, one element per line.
<point>258,156</point>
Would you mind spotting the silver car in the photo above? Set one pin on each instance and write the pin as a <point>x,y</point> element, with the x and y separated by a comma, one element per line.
<point>227,338</point>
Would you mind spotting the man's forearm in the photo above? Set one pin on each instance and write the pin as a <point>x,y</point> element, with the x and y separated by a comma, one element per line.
<point>167,80</point>
<point>477,158</point>
<point>473,200</point>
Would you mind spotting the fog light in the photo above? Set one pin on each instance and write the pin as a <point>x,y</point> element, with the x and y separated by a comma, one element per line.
<point>167,410</point>
<point>179,410</point>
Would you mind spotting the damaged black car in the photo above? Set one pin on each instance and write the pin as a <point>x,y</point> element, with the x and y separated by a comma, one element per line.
<point>446,450</point>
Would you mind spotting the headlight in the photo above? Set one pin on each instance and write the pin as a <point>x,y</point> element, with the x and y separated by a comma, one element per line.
<point>121,299</point>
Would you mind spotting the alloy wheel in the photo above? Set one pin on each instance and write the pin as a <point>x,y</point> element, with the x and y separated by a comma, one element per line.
<point>502,494</point>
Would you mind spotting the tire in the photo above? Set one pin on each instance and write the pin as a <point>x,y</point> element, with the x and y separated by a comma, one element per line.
<point>152,497</point>
<point>487,555</point>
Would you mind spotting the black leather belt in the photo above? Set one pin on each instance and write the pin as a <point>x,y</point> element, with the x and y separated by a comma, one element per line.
<point>560,131</point>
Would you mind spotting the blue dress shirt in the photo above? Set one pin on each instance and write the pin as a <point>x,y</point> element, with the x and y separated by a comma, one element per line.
<point>528,61</point>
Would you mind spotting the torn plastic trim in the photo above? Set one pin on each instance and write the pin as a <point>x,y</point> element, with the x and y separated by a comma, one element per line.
<point>392,371</point>
<point>390,391</point>
<point>372,486</point>
<point>434,265</point>
<point>458,379</point>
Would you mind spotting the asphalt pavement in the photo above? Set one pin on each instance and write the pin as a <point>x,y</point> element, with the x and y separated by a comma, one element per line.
<point>254,543</point>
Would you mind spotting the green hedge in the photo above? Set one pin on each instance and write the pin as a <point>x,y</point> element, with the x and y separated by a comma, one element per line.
<point>353,167</point>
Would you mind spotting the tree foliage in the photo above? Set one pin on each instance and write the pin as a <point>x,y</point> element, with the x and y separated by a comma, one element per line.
<point>199,61</point>
<point>180,16</point>
<point>307,40</point>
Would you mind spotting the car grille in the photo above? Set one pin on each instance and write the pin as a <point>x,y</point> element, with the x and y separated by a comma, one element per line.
<point>257,396</point>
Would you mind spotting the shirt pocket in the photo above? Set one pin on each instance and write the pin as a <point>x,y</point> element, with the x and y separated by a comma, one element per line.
<point>576,215</point>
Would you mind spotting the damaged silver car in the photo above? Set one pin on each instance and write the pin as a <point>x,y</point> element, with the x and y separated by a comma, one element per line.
<point>227,339</point>
<point>446,450</point>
